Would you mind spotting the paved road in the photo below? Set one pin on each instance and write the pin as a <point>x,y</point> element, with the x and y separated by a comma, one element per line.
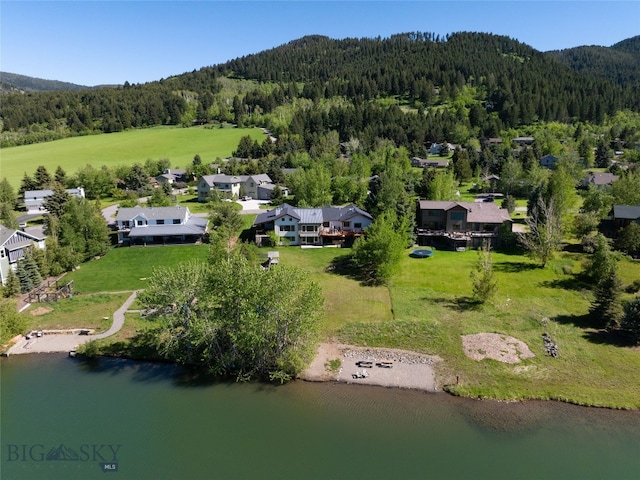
<point>68,342</point>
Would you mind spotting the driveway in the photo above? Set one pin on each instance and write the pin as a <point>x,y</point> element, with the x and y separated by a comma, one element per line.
<point>252,206</point>
<point>66,342</point>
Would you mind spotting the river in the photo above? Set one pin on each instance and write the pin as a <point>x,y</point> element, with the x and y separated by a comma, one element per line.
<point>113,418</point>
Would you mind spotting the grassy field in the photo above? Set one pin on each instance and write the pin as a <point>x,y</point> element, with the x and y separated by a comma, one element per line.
<point>177,144</point>
<point>92,309</point>
<point>127,268</point>
<point>427,308</point>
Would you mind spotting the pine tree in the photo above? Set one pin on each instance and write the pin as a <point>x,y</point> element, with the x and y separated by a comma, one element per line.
<point>12,287</point>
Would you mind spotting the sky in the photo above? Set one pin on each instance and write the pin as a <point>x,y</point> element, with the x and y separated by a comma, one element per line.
<point>109,42</point>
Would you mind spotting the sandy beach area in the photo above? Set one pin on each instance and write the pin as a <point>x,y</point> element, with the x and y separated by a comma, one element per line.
<point>373,366</point>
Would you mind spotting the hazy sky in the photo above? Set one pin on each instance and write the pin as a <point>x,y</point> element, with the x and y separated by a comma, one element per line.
<point>108,42</point>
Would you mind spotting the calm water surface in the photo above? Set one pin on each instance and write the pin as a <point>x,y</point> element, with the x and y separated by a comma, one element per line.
<point>117,419</point>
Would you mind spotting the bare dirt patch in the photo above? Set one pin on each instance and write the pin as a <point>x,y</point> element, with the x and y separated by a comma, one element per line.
<point>40,311</point>
<point>495,346</point>
<point>404,369</point>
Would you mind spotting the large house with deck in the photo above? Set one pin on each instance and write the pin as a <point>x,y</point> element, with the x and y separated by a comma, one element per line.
<point>13,245</point>
<point>159,225</point>
<point>312,226</point>
<point>457,225</point>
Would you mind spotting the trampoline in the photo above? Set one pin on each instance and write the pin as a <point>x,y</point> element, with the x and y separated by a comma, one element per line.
<point>421,253</point>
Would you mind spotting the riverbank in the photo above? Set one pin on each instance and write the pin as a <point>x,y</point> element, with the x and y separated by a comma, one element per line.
<point>383,367</point>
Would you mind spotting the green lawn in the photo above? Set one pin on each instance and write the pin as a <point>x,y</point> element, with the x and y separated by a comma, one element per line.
<point>79,311</point>
<point>432,310</point>
<point>177,144</point>
<point>126,268</point>
<point>427,308</point>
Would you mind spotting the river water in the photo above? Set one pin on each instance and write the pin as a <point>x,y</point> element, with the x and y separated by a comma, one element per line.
<point>112,418</point>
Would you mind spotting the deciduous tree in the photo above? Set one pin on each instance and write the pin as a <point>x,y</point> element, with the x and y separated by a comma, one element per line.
<point>545,232</point>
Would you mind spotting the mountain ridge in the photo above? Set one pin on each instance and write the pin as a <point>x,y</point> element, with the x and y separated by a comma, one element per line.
<point>625,51</point>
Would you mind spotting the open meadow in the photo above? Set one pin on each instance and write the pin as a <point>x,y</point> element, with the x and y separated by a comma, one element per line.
<point>177,144</point>
<point>427,309</point>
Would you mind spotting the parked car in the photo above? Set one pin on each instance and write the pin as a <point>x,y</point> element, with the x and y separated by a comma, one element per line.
<point>245,198</point>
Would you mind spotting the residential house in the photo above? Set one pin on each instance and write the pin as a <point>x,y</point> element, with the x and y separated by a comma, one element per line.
<point>452,224</point>
<point>256,186</point>
<point>622,216</point>
<point>598,179</point>
<point>159,225</point>
<point>429,162</point>
<point>436,148</point>
<point>313,226</point>
<point>548,161</point>
<point>13,244</point>
<point>172,175</point>
<point>520,141</point>
<point>34,199</point>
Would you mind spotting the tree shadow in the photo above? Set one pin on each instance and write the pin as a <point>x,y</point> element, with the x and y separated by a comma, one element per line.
<point>585,321</point>
<point>515,267</point>
<point>344,266</point>
<point>616,338</point>
<point>460,304</point>
<point>574,282</point>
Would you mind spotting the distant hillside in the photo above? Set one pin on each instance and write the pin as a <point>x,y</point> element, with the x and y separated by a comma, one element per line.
<point>619,63</point>
<point>12,82</point>
<point>463,82</point>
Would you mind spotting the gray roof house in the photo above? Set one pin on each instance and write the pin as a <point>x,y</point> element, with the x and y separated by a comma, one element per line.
<point>548,161</point>
<point>256,186</point>
<point>459,224</point>
<point>598,179</point>
<point>313,226</point>
<point>34,199</point>
<point>159,225</point>
<point>13,244</point>
<point>623,215</point>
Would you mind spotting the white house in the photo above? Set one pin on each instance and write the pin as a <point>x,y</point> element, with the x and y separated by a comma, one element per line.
<point>313,226</point>
<point>34,199</point>
<point>159,225</point>
<point>13,244</point>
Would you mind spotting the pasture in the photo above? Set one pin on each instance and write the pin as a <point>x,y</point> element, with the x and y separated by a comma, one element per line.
<point>177,144</point>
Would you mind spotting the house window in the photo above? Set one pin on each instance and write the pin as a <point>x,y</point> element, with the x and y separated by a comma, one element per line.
<point>457,215</point>
<point>159,222</point>
<point>346,224</point>
<point>287,228</point>
<point>434,213</point>
<point>1,253</point>
<point>357,225</point>
<point>325,224</point>
<point>176,221</point>
<point>139,223</point>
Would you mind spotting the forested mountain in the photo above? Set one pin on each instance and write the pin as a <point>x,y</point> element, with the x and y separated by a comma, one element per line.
<point>619,63</point>
<point>409,88</point>
<point>11,82</point>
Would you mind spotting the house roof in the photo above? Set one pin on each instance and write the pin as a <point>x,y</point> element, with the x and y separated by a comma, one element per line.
<point>629,212</point>
<point>220,178</point>
<point>25,239</point>
<point>600,178</point>
<point>194,226</point>
<point>152,213</point>
<point>312,215</point>
<point>477,212</point>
